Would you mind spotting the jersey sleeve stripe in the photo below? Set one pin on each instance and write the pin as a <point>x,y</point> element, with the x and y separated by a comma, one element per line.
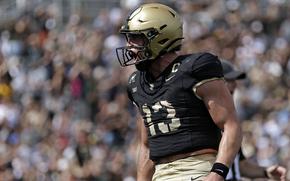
<point>202,82</point>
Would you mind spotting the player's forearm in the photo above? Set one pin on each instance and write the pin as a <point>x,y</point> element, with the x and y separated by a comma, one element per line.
<point>145,166</point>
<point>230,143</point>
<point>251,170</point>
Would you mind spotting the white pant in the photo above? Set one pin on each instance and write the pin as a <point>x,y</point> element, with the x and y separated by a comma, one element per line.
<point>193,168</point>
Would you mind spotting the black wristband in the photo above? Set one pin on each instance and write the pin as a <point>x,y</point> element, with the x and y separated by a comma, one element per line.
<point>220,169</point>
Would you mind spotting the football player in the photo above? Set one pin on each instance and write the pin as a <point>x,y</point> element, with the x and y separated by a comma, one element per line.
<point>242,166</point>
<point>183,101</point>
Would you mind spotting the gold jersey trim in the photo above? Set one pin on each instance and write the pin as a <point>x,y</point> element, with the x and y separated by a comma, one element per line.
<point>201,83</point>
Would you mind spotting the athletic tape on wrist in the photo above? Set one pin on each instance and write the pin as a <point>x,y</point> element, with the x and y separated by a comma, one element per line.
<point>220,169</point>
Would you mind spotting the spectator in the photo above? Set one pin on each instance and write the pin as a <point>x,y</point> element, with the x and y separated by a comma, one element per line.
<point>40,55</point>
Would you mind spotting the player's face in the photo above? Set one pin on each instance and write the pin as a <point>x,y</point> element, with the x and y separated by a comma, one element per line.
<point>136,44</point>
<point>231,84</point>
<point>135,40</point>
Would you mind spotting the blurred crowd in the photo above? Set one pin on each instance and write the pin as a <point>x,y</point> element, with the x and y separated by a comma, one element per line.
<point>64,112</point>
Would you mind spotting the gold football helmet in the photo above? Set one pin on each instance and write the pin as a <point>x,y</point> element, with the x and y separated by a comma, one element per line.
<point>158,25</point>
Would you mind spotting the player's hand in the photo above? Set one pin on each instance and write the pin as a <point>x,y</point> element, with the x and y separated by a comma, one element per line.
<point>277,172</point>
<point>213,177</point>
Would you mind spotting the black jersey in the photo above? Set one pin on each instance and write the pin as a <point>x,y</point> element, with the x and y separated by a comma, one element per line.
<point>176,119</point>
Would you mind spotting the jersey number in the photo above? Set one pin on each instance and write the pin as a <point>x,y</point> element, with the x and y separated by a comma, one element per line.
<point>165,126</point>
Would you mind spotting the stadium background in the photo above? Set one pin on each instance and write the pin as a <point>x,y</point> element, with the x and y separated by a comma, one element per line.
<point>64,113</point>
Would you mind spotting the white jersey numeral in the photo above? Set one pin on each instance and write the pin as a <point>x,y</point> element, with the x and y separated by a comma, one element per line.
<point>171,123</point>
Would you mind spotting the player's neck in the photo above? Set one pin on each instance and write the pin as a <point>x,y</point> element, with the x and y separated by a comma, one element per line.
<point>160,64</point>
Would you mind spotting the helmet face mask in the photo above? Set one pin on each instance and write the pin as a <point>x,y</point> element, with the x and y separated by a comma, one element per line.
<point>127,56</point>
<point>160,28</point>
<point>133,53</point>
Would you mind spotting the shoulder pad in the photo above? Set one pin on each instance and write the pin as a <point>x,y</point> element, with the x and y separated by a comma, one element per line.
<point>189,60</point>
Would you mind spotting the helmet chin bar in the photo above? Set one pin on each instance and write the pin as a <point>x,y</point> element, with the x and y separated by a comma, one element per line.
<point>126,56</point>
